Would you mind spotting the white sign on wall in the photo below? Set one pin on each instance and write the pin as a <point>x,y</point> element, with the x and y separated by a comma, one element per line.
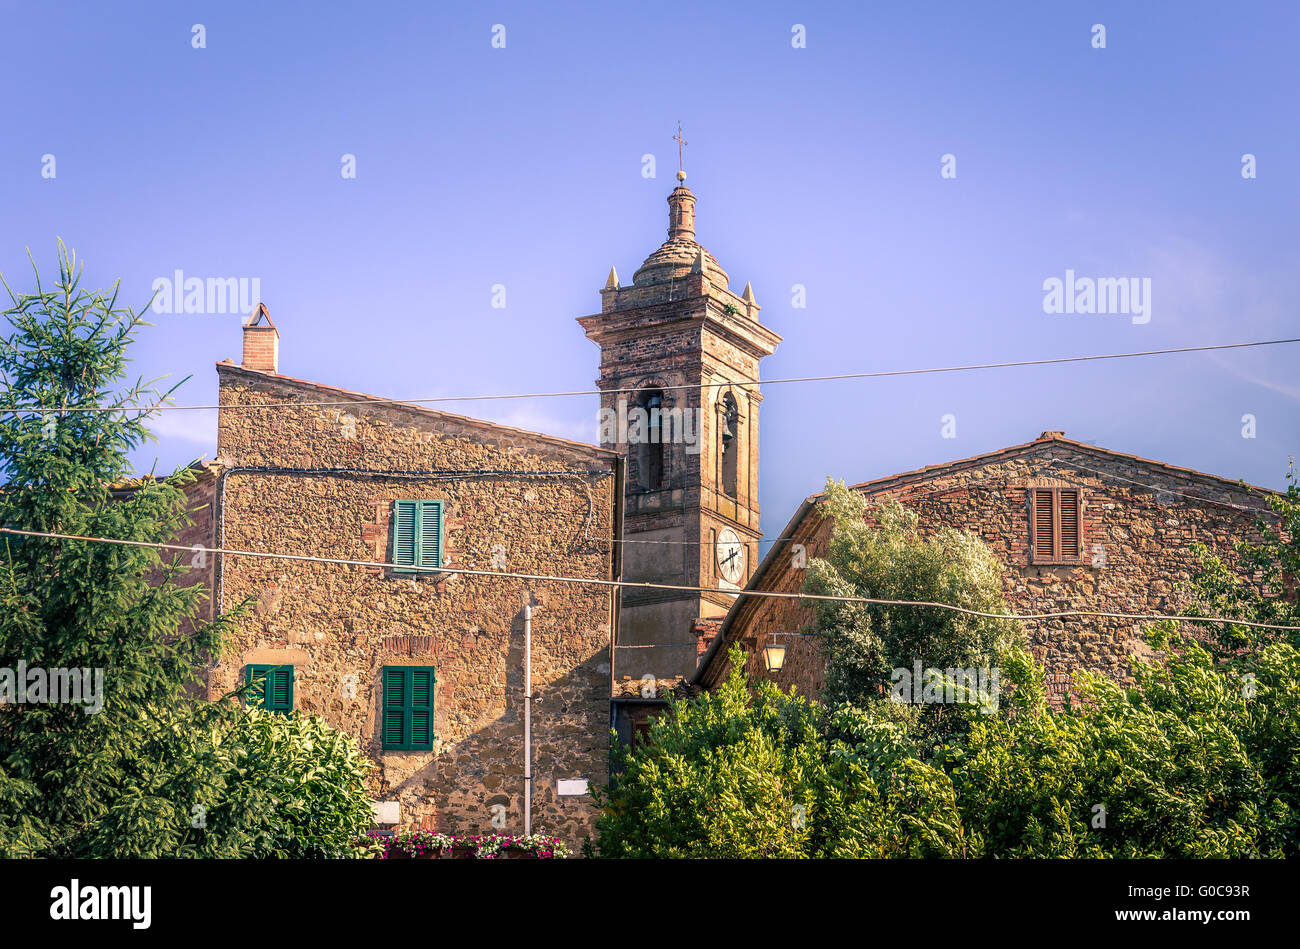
<point>387,812</point>
<point>571,787</point>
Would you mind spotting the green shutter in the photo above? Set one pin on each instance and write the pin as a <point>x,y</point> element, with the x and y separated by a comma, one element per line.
<point>256,685</point>
<point>405,532</point>
<point>417,534</point>
<point>407,715</point>
<point>430,533</point>
<point>271,687</point>
<point>280,689</point>
<point>394,719</point>
<point>422,686</point>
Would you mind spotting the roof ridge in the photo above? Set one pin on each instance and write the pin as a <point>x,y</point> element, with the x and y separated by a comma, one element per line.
<point>228,365</point>
<point>1073,443</point>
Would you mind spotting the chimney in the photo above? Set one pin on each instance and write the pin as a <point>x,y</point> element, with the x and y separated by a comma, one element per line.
<point>261,342</point>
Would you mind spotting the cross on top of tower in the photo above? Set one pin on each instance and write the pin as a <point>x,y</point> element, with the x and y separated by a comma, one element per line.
<point>681,170</point>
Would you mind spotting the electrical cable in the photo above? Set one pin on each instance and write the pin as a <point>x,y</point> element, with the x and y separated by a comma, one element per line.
<point>767,594</point>
<point>37,410</point>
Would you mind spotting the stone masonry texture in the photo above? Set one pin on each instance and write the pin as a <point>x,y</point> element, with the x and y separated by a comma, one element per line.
<point>514,502</point>
<point>1144,516</point>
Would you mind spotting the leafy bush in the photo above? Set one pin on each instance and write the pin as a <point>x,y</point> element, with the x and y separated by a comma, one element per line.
<point>1199,758</point>
<point>154,772</point>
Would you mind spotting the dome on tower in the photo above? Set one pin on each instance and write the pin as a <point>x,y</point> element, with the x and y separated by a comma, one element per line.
<point>680,255</point>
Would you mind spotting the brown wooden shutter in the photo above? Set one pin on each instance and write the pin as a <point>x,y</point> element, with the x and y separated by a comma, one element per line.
<point>1044,534</point>
<point>1069,501</point>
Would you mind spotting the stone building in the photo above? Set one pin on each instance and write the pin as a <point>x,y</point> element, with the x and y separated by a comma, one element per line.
<point>420,657</point>
<point>1076,527</point>
<point>679,354</point>
<point>425,665</point>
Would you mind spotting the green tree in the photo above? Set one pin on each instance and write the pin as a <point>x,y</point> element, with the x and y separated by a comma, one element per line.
<point>124,779</point>
<point>1198,757</point>
<point>724,774</point>
<point>748,771</point>
<point>1272,562</point>
<point>237,783</point>
<point>1170,767</point>
<point>887,558</point>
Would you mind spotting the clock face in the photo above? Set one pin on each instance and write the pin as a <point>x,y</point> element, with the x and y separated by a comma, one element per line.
<point>731,556</point>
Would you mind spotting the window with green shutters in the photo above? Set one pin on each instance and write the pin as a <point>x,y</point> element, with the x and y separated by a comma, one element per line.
<point>417,533</point>
<point>408,708</point>
<point>271,687</point>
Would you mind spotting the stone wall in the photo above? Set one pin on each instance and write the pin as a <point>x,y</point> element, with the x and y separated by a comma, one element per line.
<point>513,502</point>
<point>1142,517</point>
<point>201,501</point>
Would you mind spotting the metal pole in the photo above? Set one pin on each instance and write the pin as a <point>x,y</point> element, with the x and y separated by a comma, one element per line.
<point>528,719</point>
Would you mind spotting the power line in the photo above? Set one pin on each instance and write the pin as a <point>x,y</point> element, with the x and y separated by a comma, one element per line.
<point>966,485</point>
<point>632,584</point>
<point>38,410</point>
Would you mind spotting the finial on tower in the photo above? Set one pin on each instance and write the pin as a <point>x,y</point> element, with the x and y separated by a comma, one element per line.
<point>681,168</point>
<point>612,282</point>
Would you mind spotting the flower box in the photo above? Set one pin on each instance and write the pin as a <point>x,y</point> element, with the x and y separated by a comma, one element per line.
<point>425,845</point>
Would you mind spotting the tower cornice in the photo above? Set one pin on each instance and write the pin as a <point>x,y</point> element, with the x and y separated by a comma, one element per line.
<point>755,338</point>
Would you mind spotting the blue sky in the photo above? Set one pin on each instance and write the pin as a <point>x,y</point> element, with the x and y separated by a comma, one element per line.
<point>817,166</point>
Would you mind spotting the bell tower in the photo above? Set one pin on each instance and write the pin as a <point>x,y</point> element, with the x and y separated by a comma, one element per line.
<point>679,354</point>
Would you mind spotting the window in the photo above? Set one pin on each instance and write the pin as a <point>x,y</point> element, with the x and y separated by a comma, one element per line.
<point>417,533</point>
<point>650,451</point>
<point>271,687</point>
<point>408,708</point>
<point>1056,525</point>
<point>728,444</point>
<point>641,732</point>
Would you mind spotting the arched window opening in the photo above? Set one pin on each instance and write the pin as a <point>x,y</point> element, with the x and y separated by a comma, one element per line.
<point>650,447</point>
<point>729,444</point>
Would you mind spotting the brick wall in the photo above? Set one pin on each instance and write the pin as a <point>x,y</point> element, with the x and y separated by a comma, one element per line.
<point>261,348</point>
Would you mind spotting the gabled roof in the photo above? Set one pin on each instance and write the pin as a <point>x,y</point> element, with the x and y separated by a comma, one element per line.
<point>1047,439</point>
<point>492,428</point>
<point>929,471</point>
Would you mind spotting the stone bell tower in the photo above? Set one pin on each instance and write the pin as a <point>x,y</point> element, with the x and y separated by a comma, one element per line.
<point>679,354</point>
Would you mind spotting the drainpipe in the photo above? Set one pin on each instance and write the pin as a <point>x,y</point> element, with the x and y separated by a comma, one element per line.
<point>528,719</point>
